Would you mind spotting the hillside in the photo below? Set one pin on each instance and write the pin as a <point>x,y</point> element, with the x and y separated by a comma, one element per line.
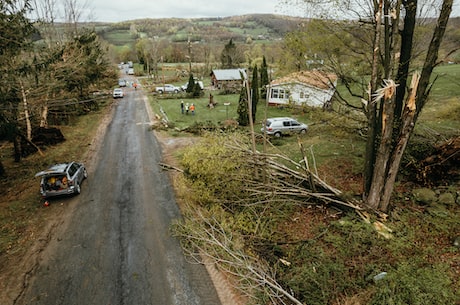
<point>260,27</point>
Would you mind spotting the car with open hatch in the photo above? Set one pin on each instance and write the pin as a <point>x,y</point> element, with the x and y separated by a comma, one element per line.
<point>283,126</point>
<point>62,179</point>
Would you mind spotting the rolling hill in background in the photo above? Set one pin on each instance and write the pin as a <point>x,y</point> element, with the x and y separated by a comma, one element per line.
<point>263,27</point>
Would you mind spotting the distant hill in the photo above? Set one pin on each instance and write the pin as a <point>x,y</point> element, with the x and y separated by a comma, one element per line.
<point>256,26</point>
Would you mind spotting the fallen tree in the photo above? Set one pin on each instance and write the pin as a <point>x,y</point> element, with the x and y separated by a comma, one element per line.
<point>236,204</point>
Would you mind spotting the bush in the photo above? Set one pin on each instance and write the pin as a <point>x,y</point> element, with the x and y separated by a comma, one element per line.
<point>416,285</point>
<point>215,168</point>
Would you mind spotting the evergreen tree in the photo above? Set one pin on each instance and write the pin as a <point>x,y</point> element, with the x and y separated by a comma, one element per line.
<point>197,92</point>
<point>190,84</point>
<point>243,111</point>
<point>254,92</point>
<point>231,57</point>
<point>264,81</point>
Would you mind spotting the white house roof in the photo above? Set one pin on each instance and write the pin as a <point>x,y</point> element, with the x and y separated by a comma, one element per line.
<point>229,74</point>
<point>313,78</point>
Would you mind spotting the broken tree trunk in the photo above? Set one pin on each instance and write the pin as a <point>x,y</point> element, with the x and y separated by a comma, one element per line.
<point>408,122</point>
<point>26,113</point>
<point>384,149</point>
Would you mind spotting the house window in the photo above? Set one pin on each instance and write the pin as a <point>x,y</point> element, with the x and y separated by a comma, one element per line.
<point>284,94</point>
<point>280,93</point>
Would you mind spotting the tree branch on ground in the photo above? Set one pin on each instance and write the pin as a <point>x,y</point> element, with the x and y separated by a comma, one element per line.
<point>211,243</point>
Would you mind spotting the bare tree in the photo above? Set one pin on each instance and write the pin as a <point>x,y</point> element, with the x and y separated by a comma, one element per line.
<point>391,105</point>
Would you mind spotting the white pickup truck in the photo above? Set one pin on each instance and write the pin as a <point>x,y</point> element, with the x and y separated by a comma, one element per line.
<point>167,88</point>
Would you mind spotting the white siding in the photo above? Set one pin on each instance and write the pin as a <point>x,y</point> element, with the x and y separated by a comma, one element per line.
<point>299,94</point>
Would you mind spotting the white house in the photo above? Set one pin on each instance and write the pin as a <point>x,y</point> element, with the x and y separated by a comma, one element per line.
<point>310,88</point>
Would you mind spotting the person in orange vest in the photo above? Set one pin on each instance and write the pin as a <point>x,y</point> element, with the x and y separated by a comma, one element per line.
<point>192,109</point>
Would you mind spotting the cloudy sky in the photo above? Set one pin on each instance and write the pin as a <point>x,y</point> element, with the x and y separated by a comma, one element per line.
<point>121,10</point>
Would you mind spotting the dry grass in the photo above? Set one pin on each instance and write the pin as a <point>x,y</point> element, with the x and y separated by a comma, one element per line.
<point>22,215</point>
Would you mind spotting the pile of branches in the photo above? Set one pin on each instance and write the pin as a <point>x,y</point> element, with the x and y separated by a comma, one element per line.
<point>442,163</point>
<point>243,177</point>
<point>274,178</point>
<point>278,177</point>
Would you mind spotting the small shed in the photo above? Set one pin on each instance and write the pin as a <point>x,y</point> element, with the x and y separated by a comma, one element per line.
<point>311,88</point>
<point>228,78</point>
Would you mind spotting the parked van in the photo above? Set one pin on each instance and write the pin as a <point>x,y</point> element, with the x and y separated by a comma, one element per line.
<point>283,126</point>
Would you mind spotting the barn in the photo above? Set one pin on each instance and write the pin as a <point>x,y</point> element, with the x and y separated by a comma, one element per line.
<point>309,88</point>
<point>228,79</point>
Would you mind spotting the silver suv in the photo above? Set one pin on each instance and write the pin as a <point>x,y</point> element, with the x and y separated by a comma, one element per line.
<point>62,179</point>
<point>283,126</point>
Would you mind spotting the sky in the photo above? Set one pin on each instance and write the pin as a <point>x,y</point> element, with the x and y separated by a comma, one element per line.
<point>122,10</point>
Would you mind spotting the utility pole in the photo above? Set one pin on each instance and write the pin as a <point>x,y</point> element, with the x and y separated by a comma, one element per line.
<point>189,46</point>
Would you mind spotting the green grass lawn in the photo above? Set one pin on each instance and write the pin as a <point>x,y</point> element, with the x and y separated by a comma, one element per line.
<point>333,140</point>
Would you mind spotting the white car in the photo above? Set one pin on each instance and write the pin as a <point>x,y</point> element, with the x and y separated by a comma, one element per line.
<point>121,82</point>
<point>118,92</point>
<point>283,126</point>
<point>167,88</point>
<point>130,71</point>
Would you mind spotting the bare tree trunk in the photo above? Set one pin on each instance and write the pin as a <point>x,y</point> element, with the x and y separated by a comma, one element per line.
<point>44,116</point>
<point>407,35</point>
<point>251,122</point>
<point>415,103</point>
<point>389,155</point>
<point>407,126</point>
<point>26,113</point>
<point>372,107</point>
<point>384,150</point>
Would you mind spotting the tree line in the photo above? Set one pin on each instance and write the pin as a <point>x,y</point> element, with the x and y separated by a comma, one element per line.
<point>42,69</point>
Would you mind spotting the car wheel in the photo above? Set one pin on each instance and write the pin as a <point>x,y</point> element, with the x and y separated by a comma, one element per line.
<point>77,189</point>
<point>303,131</point>
<point>176,91</point>
<point>277,134</point>
<point>85,174</point>
<point>160,91</point>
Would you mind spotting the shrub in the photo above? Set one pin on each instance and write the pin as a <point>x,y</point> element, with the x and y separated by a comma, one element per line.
<point>416,285</point>
<point>214,167</point>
